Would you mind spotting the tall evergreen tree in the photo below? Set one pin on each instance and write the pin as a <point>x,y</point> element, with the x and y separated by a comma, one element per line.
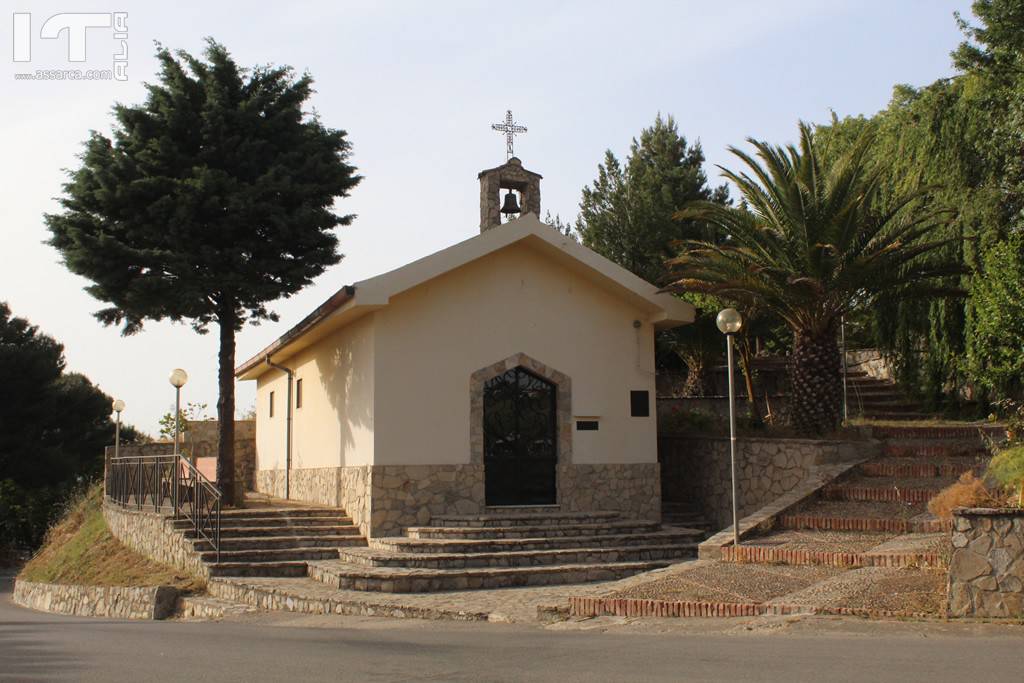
<point>213,198</point>
<point>626,215</point>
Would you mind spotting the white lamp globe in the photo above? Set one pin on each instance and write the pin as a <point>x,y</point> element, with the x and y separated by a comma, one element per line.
<point>118,405</point>
<point>729,321</point>
<point>177,378</point>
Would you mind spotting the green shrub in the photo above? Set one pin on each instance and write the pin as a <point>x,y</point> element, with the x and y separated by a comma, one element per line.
<point>1007,468</point>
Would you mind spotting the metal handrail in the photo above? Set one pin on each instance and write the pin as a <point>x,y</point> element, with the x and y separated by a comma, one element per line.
<point>167,483</point>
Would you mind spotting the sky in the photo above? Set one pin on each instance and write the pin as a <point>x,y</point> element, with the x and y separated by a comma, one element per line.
<point>417,86</point>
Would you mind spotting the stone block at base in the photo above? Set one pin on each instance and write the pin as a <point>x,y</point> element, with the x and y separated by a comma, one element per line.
<point>986,572</point>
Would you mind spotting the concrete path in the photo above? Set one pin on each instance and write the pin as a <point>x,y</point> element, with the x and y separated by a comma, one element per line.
<point>36,646</point>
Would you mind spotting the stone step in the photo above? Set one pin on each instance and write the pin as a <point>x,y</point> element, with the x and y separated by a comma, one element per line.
<point>282,522</point>
<point>271,568</point>
<point>283,512</point>
<point>249,531</point>
<point>884,404</point>
<point>555,531</point>
<point>282,541</point>
<point>270,554</point>
<point>347,576</point>
<point>524,519</point>
<point>367,557</point>
<point>401,544</point>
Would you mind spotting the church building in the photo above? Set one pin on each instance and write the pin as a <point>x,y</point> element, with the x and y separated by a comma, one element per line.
<point>513,371</point>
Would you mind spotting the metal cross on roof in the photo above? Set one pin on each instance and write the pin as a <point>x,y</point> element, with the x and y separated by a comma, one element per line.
<point>509,128</point>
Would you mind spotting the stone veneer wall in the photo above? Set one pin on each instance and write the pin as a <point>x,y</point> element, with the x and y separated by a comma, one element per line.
<point>409,495</point>
<point>986,573</point>
<point>155,602</point>
<point>344,487</point>
<point>696,470</point>
<point>633,488</point>
<point>150,533</point>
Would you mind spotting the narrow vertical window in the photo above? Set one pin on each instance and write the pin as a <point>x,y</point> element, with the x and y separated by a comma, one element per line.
<point>298,393</point>
<point>271,404</point>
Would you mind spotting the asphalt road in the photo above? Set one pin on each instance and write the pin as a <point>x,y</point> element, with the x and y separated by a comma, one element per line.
<point>37,646</point>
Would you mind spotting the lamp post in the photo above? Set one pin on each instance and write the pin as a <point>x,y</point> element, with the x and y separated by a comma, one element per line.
<point>118,406</point>
<point>729,323</point>
<point>177,378</point>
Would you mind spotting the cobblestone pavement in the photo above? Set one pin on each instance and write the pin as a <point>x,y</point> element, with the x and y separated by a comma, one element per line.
<point>509,605</point>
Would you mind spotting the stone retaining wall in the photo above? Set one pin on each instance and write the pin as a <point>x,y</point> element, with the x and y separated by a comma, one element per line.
<point>696,470</point>
<point>150,534</point>
<point>156,602</point>
<point>986,573</point>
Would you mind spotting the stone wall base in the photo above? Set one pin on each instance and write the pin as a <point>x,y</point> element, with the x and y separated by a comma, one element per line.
<point>121,602</point>
<point>385,499</point>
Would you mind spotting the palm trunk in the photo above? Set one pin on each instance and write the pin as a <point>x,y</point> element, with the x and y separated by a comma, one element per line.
<point>226,406</point>
<point>816,386</point>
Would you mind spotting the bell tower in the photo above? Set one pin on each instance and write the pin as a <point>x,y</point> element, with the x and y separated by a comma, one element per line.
<point>509,176</point>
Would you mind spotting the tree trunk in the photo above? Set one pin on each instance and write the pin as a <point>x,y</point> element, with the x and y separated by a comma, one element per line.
<point>226,406</point>
<point>816,386</point>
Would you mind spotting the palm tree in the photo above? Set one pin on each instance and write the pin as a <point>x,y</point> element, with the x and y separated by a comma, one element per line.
<point>808,244</point>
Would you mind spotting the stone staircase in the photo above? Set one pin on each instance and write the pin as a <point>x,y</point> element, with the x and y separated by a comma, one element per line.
<point>499,550</point>
<point>876,515</point>
<point>275,540</point>
<point>684,515</point>
<point>878,399</point>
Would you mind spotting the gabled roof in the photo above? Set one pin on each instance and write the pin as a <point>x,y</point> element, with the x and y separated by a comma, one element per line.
<point>354,301</point>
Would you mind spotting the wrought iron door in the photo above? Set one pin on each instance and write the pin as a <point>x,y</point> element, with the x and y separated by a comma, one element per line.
<point>520,439</point>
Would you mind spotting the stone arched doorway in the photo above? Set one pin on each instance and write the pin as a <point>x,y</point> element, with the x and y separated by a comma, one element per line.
<point>520,415</point>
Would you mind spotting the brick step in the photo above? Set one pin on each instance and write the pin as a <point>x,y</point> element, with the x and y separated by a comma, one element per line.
<point>826,523</point>
<point>524,519</point>
<point>271,568</point>
<point>867,493</point>
<point>282,522</point>
<point>755,554</point>
<point>519,558</point>
<point>556,531</point>
<point>891,415</point>
<point>883,404</point>
<point>399,580</point>
<point>908,467</point>
<point>967,431</point>
<point>271,554</point>
<point>282,541</point>
<point>944,448</point>
<point>248,531</point>
<point>402,544</point>
<point>240,513</point>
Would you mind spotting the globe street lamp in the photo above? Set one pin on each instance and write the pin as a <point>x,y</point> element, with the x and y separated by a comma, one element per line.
<point>177,378</point>
<point>729,322</point>
<point>118,406</point>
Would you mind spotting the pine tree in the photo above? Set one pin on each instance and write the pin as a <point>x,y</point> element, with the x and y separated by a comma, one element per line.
<point>626,215</point>
<point>213,198</point>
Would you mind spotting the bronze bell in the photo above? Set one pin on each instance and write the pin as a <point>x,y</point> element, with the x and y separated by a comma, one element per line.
<point>511,205</point>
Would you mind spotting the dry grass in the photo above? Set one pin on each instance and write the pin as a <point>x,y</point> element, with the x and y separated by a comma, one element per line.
<point>968,491</point>
<point>79,549</point>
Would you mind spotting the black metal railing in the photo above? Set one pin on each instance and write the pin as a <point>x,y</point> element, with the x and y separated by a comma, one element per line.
<point>169,484</point>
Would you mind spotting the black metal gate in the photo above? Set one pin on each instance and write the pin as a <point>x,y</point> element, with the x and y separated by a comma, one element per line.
<point>520,439</point>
